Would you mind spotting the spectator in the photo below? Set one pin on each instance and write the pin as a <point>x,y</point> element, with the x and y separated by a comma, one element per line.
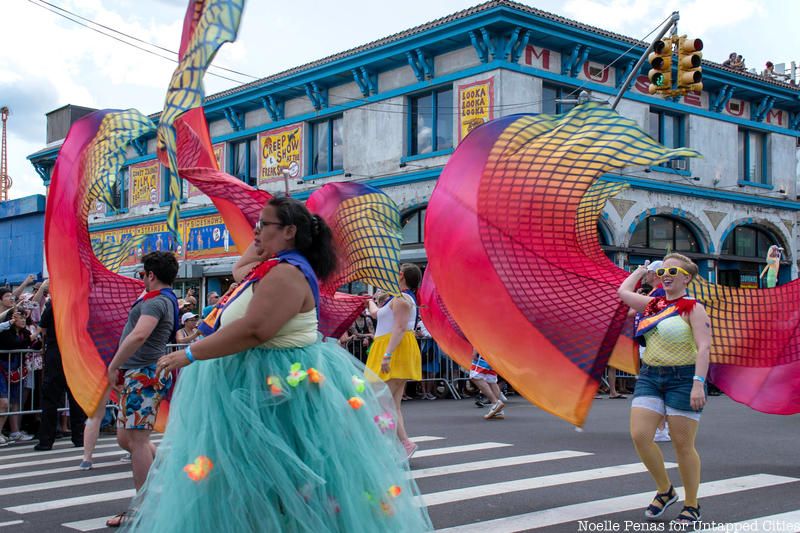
<point>358,337</point>
<point>431,361</point>
<point>739,63</point>
<point>13,372</point>
<point>213,299</point>
<point>54,385</point>
<point>769,71</point>
<point>731,61</point>
<point>189,332</point>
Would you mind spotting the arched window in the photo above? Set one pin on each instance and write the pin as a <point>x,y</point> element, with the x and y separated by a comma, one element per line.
<point>665,233</point>
<point>743,256</point>
<point>413,227</point>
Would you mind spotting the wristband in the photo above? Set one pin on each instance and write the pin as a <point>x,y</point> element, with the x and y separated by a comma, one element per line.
<point>387,355</point>
<point>188,352</point>
<point>701,379</point>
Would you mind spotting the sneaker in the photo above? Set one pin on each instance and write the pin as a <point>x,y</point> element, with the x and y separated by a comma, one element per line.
<point>125,458</point>
<point>496,408</point>
<point>3,440</point>
<point>85,465</point>
<point>481,401</point>
<point>498,416</point>
<point>428,396</point>
<point>410,447</point>
<point>20,436</point>
<point>662,435</point>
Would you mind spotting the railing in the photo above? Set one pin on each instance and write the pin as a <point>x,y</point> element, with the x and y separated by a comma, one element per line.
<point>19,374</point>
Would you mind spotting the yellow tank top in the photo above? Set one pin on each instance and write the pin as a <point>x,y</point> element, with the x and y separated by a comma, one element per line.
<point>670,343</point>
<point>299,331</point>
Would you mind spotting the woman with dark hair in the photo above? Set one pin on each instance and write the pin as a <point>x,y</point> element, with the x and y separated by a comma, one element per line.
<point>272,429</point>
<point>13,373</point>
<point>395,354</point>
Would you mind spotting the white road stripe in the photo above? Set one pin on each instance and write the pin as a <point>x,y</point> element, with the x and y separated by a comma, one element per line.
<point>92,524</point>
<point>460,449</point>
<point>12,523</point>
<point>74,458</point>
<point>493,489</point>
<point>74,468</point>
<point>591,509</point>
<point>786,522</point>
<point>494,463</point>
<point>71,502</point>
<point>70,449</point>
<point>425,439</point>
<point>61,443</point>
<point>72,482</point>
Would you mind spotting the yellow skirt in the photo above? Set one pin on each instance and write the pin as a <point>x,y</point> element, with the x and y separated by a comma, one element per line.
<point>406,359</point>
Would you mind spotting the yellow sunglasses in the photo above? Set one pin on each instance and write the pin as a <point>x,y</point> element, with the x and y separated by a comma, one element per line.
<point>672,271</point>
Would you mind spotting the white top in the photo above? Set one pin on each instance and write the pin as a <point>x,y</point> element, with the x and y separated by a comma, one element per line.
<point>299,331</point>
<point>386,317</point>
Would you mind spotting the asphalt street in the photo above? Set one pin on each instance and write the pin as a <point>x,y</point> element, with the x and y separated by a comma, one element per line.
<point>529,471</point>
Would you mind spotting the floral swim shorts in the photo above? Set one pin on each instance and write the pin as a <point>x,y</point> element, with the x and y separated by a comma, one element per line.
<point>141,394</point>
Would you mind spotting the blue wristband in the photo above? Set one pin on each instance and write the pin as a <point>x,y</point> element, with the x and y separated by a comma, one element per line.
<point>699,378</point>
<point>188,352</point>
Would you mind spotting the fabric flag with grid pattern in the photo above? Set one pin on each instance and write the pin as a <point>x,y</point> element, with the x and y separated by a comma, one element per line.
<point>366,227</point>
<point>440,323</point>
<point>90,301</point>
<point>515,185</point>
<point>208,24</point>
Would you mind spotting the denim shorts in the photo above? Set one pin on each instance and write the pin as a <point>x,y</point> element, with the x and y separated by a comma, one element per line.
<point>666,389</point>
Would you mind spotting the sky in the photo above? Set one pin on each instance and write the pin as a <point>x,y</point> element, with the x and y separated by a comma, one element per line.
<point>47,61</point>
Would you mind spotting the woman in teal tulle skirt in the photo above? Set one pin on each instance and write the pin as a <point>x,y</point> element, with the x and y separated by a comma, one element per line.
<point>270,428</point>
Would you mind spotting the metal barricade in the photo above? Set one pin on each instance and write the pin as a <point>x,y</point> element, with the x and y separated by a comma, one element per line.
<point>20,374</point>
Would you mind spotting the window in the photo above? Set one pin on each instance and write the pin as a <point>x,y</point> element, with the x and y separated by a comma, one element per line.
<point>431,127</point>
<point>414,227</point>
<point>752,148</point>
<point>326,146</point>
<point>664,233</point>
<point>119,192</point>
<point>551,93</point>
<point>244,161</point>
<point>670,130</point>
<point>748,241</point>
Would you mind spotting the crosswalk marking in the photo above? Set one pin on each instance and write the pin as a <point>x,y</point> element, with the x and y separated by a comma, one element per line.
<point>93,524</point>
<point>786,522</point>
<point>12,523</point>
<point>492,489</point>
<point>62,470</point>
<point>21,489</point>
<point>585,510</point>
<point>425,438</point>
<point>73,458</point>
<point>71,502</point>
<point>495,463</point>
<point>53,452</point>
<point>63,443</point>
<point>459,449</point>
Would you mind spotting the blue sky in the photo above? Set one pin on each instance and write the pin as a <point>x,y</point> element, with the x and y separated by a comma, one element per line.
<point>47,61</point>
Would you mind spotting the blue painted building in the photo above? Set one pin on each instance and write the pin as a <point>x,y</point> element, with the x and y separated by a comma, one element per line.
<point>389,113</point>
<point>21,239</point>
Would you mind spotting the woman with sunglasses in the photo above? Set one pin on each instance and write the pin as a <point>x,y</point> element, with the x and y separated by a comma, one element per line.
<point>672,379</point>
<point>270,428</point>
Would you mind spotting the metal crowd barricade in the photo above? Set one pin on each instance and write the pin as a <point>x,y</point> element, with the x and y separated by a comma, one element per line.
<point>19,396</point>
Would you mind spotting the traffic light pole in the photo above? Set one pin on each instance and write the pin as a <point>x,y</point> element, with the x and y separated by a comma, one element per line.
<point>673,20</point>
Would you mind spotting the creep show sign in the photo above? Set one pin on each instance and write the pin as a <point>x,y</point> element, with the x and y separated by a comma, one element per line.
<point>280,150</point>
<point>475,105</point>
<point>144,183</point>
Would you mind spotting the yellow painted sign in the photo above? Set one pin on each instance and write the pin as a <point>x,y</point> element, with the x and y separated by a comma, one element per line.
<point>280,150</point>
<point>144,183</point>
<point>475,105</point>
<point>219,153</point>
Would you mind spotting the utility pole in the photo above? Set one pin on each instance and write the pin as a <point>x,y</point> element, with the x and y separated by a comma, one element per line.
<point>5,179</point>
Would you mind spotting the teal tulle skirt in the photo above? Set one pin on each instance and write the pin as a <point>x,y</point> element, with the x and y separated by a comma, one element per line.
<point>280,440</point>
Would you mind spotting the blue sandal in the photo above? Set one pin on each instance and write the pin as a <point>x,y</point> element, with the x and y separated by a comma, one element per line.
<point>665,499</point>
<point>688,515</point>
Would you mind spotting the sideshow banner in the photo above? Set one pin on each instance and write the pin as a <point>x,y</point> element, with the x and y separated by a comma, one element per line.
<point>207,237</point>
<point>475,105</point>
<point>144,184</point>
<point>157,238</point>
<point>219,154</point>
<point>280,149</point>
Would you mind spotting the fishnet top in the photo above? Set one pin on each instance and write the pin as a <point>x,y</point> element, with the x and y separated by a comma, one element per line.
<point>670,343</point>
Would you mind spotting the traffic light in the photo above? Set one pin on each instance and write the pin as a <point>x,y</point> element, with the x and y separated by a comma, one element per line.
<point>690,75</point>
<point>660,74</point>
